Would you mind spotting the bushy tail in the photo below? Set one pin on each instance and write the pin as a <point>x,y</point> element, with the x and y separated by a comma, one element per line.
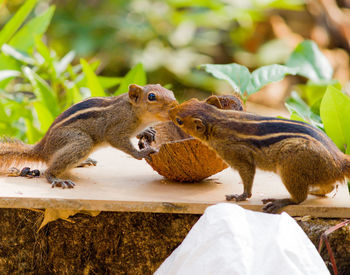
<point>15,152</point>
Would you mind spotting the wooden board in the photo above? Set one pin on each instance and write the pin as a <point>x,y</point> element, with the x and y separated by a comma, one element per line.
<point>121,183</point>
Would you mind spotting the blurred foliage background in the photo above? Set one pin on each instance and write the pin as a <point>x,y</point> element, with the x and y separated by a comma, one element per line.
<point>171,39</point>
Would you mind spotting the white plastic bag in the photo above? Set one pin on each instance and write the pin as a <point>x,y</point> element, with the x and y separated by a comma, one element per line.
<point>228,239</point>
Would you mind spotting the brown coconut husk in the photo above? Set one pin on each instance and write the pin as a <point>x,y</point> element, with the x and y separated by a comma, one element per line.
<point>185,159</point>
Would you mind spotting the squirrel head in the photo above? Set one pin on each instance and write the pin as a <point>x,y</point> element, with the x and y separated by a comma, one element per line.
<point>194,116</point>
<point>190,116</point>
<point>153,101</point>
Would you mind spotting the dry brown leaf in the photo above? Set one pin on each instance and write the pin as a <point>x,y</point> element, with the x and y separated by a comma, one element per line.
<point>52,214</point>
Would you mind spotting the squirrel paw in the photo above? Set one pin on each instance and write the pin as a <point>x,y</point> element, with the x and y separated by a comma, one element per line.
<point>241,197</point>
<point>146,137</point>
<point>62,183</point>
<point>274,205</point>
<point>13,172</point>
<point>145,153</point>
<point>87,162</point>
<point>271,207</point>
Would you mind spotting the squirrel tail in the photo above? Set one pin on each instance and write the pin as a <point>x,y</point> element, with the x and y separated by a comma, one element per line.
<point>15,152</point>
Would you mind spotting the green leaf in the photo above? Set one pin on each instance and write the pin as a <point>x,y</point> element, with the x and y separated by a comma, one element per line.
<point>62,65</point>
<point>267,74</point>
<point>109,82</point>
<point>297,107</point>
<point>5,74</point>
<point>136,75</point>
<point>295,116</point>
<point>42,91</point>
<point>24,39</point>
<point>33,134</point>
<point>44,116</point>
<point>42,49</point>
<point>236,75</point>
<point>241,80</point>
<point>76,96</point>
<point>16,21</point>
<point>310,62</point>
<point>10,51</point>
<point>3,116</point>
<point>8,63</point>
<point>72,96</point>
<point>92,81</point>
<point>335,114</point>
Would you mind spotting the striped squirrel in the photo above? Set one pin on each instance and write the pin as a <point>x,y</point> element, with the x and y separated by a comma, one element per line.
<point>307,161</point>
<point>89,124</point>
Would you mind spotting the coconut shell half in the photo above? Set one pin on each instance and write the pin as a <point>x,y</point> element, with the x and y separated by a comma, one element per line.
<point>181,157</point>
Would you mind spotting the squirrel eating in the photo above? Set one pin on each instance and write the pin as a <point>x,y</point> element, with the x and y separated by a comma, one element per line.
<point>304,157</point>
<point>89,124</point>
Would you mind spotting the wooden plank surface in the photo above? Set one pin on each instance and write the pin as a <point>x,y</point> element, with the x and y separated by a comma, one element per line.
<point>121,183</point>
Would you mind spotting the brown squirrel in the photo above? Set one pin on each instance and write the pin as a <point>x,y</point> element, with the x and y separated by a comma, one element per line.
<point>303,156</point>
<point>94,122</point>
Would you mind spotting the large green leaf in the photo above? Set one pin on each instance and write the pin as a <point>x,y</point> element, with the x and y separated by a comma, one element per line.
<point>236,75</point>
<point>91,79</point>
<point>242,81</point>
<point>335,114</point>
<point>24,39</point>
<point>44,116</point>
<point>313,92</point>
<point>42,91</point>
<point>310,62</point>
<point>16,21</point>
<point>136,75</point>
<point>267,74</point>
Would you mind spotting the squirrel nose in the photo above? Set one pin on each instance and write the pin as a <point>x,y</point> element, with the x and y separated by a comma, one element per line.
<point>173,104</point>
<point>171,112</point>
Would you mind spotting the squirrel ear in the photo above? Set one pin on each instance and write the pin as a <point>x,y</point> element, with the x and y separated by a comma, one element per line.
<point>200,127</point>
<point>135,92</point>
<point>214,100</point>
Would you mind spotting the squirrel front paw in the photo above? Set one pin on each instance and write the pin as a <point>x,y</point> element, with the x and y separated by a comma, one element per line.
<point>145,153</point>
<point>146,137</point>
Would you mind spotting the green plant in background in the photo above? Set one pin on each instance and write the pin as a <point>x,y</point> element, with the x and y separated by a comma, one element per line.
<point>306,60</point>
<point>36,85</point>
<point>169,37</point>
<point>325,106</point>
<point>244,82</point>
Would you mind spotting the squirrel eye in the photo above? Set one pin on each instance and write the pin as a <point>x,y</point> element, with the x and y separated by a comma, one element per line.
<point>152,97</point>
<point>179,121</point>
